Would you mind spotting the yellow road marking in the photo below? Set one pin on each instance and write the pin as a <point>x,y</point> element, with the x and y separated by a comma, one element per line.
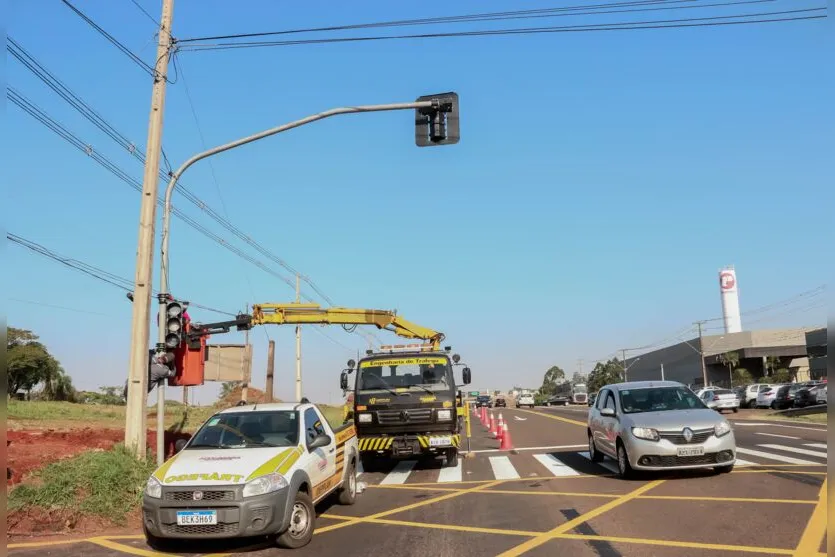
<point>528,479</point>
<point>770,471</point>
<point>433,526</point>
<point>573,523</point>
<point>560,418</point>
<point>22,545</point>
<point>726,499</point>
<point>670,543</point>
<point>815,528</point>
<point>104,542</point>
<point>408,507</point>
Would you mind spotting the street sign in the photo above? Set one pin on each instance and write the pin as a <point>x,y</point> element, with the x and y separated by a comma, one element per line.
<point>473,393</point>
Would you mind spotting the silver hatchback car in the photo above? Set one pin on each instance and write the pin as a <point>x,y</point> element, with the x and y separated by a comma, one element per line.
<point>658,425</point>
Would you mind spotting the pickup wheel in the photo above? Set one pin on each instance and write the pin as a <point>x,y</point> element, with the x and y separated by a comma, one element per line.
<point>302,523</point>
<point>348,493</point>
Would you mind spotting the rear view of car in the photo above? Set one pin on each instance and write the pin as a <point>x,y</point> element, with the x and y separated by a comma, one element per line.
<point>820,397</point>
<point>525,399</point>
<point>765,397</point>
<point>784,397</point>
<point>501,402</point>
<point>720,400</point>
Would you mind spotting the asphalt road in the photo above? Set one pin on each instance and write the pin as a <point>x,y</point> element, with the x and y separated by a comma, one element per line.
<point>546,498</point>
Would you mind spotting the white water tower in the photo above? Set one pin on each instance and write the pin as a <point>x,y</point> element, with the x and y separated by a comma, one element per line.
<point>729,290</point>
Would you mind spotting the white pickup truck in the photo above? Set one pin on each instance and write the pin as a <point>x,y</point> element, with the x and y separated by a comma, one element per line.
<point>255,470</point>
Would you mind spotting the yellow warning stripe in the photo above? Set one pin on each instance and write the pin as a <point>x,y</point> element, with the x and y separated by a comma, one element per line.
<point>384,443</point>
<point>160,473</point>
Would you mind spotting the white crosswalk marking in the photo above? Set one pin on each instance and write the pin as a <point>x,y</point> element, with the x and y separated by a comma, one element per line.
<point>502,468</point>
<point>740,462</point>
<point>610,466</point>
<point>816,445</point>
<point>450,473</point>
<point>772,456</point>
<point>806,452</point>
<point>555,465</point>
<point>400,473</point>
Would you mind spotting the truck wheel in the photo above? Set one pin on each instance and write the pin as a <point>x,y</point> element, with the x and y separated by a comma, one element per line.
<point>302,523</point>
<point>369,462</point>
<point>451,458</point>
<point>348,493</point>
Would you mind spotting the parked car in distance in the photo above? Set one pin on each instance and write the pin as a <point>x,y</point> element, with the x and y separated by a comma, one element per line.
<point>658,425</point>
<point>820,397</point>
<point>784,397</point>
<point>500,402</point>
<point>765,397</point>
<point>525,399</point>
<point>720,399</point>
<point>807,395</point>
<point>749,399</point>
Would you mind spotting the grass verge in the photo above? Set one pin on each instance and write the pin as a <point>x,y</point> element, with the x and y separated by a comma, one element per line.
<point>107,484</point>
<point>809,418</point>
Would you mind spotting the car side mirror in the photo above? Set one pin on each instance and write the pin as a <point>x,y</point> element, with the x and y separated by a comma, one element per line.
<point>320,441</point>
<point>607,412</point>
<point>343,381</point>
<point>468,376</point>
<point>180,444</point>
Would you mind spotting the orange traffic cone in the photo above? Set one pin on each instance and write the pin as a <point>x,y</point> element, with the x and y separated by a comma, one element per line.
<point>493,431</point>
<point>507,444</point>
<point>500,428</point>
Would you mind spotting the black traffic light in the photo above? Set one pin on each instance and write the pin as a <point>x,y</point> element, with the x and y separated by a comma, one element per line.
<point>437,124</point>
<point>174,324</point>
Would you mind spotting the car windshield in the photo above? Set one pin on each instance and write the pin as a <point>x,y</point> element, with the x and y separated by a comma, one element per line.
<point>427,373</point>
<point>580,389</point>
<point>240,430</point>
<point>658,399</point>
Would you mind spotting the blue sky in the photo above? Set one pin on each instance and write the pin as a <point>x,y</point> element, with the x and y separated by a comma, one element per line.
<point>601,181</point>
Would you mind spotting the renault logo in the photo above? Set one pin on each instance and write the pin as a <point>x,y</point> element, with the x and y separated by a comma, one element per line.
<point>688,434</point>
<point>404,415</point>
<point>197,495</point>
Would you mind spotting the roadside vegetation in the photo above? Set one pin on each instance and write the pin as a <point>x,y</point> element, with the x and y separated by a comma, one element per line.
<point>819,418</point>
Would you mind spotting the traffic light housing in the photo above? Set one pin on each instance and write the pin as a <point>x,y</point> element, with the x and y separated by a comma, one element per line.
<point>438,124</point>
<point>190,360</point>
<point>174,324</point>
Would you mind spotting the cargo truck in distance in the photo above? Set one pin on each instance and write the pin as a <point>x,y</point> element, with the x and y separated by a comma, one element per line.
<point>406,403</point>
<point>569,394</point>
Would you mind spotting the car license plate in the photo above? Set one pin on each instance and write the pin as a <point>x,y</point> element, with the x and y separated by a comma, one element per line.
<point>192,518</point>
<point>440,441</point>
<point>691,451</point>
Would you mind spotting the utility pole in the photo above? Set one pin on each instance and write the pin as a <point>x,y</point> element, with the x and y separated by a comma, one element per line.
<point>245,383</point>
<point>702,355</point>
<point>137,399</point>
<point>625,369</point>
<point>298,347</point>
<point>662,371</point>
<point>270,370</point>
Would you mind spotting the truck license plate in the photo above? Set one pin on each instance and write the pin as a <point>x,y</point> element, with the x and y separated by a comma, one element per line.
<point>192,518</point>
<point>440,441</point>
<point>691,451</point>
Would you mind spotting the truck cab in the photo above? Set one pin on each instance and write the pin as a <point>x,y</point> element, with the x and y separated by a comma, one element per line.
<point>406,404</point>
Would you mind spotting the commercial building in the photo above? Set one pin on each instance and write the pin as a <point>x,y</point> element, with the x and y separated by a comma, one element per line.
<point>801,350</point>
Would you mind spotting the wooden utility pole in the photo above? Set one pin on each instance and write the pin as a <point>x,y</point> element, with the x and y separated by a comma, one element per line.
<point>270,370</point>
<point>137,399</point>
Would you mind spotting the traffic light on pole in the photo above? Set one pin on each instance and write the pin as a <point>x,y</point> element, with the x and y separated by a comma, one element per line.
<point>174,325</point>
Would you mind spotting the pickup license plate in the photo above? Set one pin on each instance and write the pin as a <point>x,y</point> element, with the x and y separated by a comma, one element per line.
<point>440,441</point>
<point>194,518</point>
<point>691,451</point>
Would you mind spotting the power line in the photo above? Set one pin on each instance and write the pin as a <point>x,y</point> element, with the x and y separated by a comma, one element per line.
<point>141,9</point>
<point>34,303</point>
<point>115,42</point>
<point>656,24</point>
<point>566,11</point>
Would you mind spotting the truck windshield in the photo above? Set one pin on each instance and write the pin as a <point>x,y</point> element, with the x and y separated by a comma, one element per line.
<point>239,430</point>
<point>580,389</point>
<point>428,373</point>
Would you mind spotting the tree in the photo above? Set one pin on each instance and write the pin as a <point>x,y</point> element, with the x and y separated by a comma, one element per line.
<point>59,387</point>
<point>579,378</point>
<point>228,387</point>
<point>772,363</point>
<point>553,377</point>
<point>28,361</point>
<point>742,376</point>
<point>729,360</point>
<point>605,374</point>
<point>782,375</point>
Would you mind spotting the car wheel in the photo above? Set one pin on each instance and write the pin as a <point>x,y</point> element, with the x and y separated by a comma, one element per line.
<point>774,405</point>
<point>348,493</point>
<point>594,454</point>
<point>624,468</point>
<point>736,410</point>
<point>302,523</point>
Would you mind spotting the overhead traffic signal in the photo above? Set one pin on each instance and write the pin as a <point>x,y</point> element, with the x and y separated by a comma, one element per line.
<point>439,123</point>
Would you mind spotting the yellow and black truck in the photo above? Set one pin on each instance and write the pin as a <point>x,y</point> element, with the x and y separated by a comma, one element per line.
<point>406,404</point>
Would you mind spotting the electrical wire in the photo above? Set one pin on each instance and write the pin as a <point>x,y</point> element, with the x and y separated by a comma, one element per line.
<point>490,16</point>
<point>654,24</point>
<point>34,303</point>
<point>141,9</point>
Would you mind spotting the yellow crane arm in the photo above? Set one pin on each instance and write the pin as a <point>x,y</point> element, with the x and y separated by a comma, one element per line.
<point>303,314</point>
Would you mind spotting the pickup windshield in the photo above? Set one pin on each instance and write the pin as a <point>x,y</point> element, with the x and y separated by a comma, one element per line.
<point>659,399</point>
<point>406,374</point>
<point>241,430</point>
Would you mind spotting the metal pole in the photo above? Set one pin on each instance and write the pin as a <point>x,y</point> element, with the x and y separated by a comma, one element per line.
<point>270,370</point>
<point>662,371</point>
<point>161,422</point>
<point>702,355</point>
<point>625,369</point>
<point>245,385</point>
<point>137,399</point>
<point>169,190</point>
<point>298,348</point>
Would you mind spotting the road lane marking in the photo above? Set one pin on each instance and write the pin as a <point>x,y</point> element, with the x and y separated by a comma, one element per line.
<point>573,523</point>
<point>400,473</point>
<point>727,499</point>
<point>430,525</point>
<point>551,416</point>
<point>104,542</point>
<point>450,474</point>
<point>740,462</point>
<point>815,445</point>
<point>24,545</point>
<point>610,466</point>
<point>672,543</point>
<point>555,465</point>
<point>806,452</point>
<point>518,419</point>
<point>771,456</point>
<point>551,448</point>
<point>776,435</point>
<point>815,529</point>
<point>777,424</point>
<point>502,468</point>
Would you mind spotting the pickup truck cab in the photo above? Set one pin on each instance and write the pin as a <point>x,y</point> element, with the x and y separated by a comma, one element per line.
<point>255,470</point>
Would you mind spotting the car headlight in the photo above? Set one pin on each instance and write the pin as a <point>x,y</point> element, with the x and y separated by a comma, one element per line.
<point>722,428</point>
<point>153,488</point>
<point>444,415</point>
<point>264,484</point>
<point>645,433</point>
<point>365,418</point>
